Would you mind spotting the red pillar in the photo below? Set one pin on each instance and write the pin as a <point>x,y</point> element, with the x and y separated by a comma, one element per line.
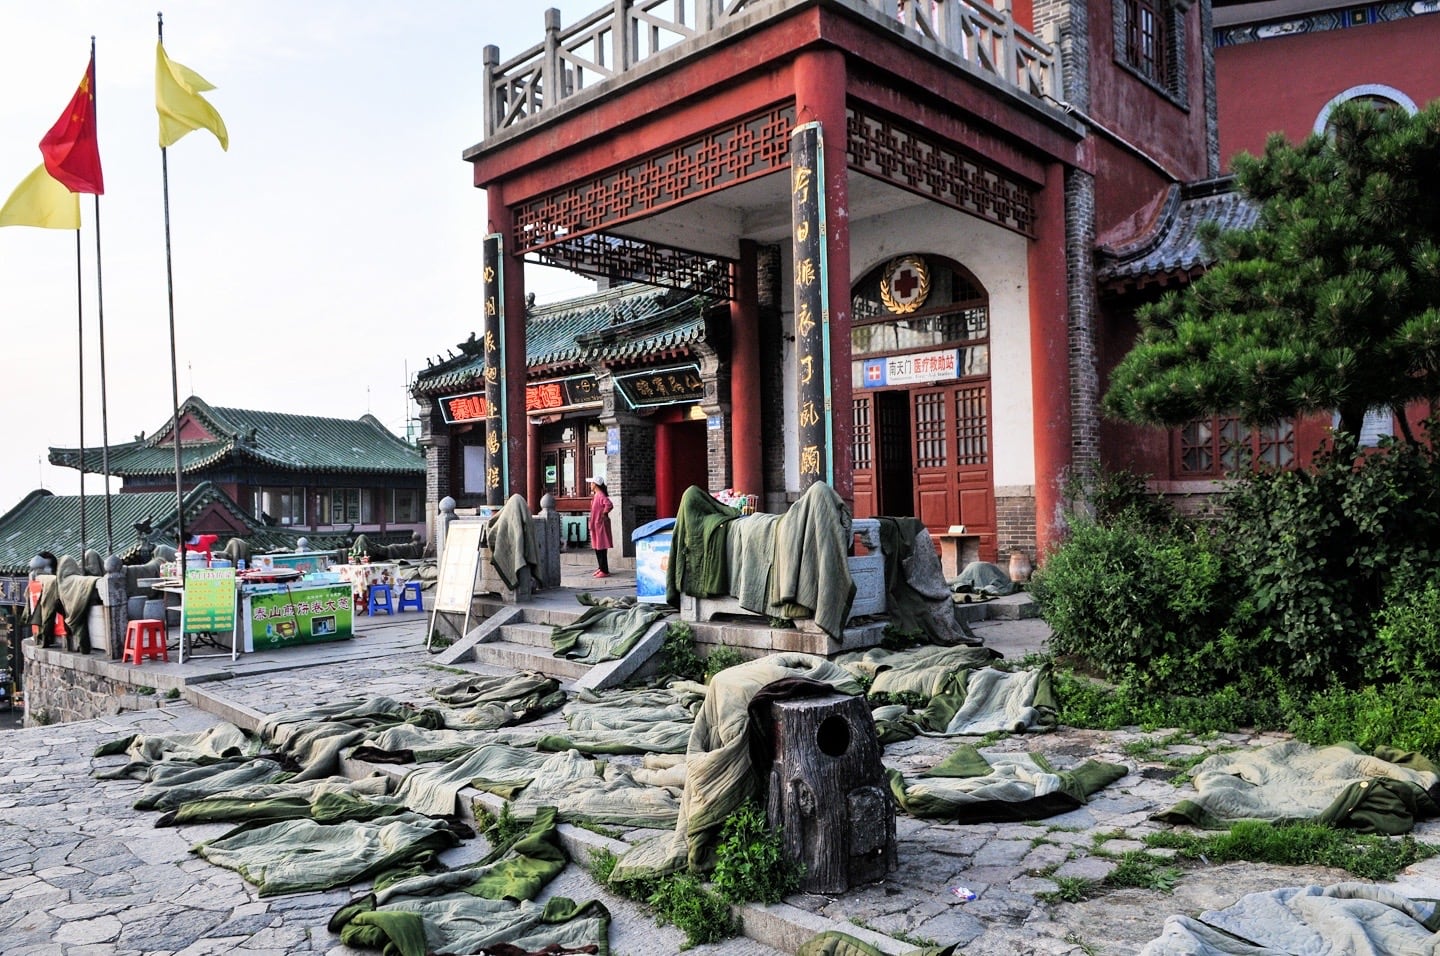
<point>513,280</point>
<point>820,84</point>
<point>534,485</point>
<point>1049,356</point>
<point>666,495</point>
<point>746,458</point>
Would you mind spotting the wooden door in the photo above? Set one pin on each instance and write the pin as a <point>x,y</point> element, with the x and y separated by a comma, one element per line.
<point>974,477</point>
<point>862,456</point>
<point>930,457</point>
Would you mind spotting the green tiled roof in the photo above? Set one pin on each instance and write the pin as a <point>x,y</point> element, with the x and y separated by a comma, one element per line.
<point>302,443</point>
<point>47,522</point>
<point>624,323</point>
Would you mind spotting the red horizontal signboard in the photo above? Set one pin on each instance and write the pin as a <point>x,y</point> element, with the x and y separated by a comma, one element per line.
<point>539,397</point>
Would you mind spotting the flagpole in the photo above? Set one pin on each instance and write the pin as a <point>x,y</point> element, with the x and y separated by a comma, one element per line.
<point>104,406</point>
<point>80,378</point>
<point>104,393</point>
<point>174,365</point>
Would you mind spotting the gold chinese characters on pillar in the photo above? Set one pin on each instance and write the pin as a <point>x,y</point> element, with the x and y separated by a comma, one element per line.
<point>495,444</point>
<point>807,205</point>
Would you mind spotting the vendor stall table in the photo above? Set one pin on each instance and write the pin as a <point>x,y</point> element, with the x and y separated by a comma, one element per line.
<point>361,576</point>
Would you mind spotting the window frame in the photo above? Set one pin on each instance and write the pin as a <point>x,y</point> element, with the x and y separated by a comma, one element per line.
<point>1259,446</point>
<point>1165,69</point>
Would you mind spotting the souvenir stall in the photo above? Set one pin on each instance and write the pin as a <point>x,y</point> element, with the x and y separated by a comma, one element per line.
<point>258,608</point>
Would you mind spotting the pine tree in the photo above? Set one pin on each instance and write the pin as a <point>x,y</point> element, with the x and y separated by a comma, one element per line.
<point>1330,302</point>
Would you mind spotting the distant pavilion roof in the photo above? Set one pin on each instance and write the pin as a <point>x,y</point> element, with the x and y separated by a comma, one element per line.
<point>300,443</point>
<point>621,324</point>
<point>47,522</point>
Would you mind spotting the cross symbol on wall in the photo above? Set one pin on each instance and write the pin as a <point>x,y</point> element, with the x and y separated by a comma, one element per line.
<point>906,282</point>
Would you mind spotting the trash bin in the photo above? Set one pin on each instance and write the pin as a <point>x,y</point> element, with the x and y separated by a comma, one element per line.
<point>652,558</point>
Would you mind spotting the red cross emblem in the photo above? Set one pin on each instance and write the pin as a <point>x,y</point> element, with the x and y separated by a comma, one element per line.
<point>906,284</point>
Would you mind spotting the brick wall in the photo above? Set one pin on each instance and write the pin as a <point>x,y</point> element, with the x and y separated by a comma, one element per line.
<point>435,441</point>
<point>1015,521</point>
<point>632,481</point>
<point>1083,334</point>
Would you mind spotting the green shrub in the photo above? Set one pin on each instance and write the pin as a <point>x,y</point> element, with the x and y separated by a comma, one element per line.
<point>719,659</point>
<point>677,653</point>
<point>750,860</point>
<point>1131,598</point>
<point>501,829</point>
<point>1247,703</point>
<point>1407,631</point>
<point>705,917</point>
<point>1321,548</point>
<point>1405,715</point>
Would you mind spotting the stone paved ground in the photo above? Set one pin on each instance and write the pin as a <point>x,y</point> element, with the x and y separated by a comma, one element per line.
<point>82,873</point>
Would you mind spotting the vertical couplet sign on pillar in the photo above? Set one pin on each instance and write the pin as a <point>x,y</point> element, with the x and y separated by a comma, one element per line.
<point>812,358</point>
<point>495,445</point>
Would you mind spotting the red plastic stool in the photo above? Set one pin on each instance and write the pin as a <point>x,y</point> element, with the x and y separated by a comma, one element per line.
<point>145,639</point>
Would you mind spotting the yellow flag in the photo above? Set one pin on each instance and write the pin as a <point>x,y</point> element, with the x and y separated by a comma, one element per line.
<point>178,100</point>
<point>41,200</point>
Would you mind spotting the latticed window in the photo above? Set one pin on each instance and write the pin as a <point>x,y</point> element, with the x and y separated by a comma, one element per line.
<point>1147,39</point>
<point>1220,445</point>
<point>972,426</point>
<point>930,430</point>
<point>861,435</point>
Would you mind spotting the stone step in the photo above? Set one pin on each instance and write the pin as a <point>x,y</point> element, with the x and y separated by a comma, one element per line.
<point>525,657</point>
<point>529,634</point>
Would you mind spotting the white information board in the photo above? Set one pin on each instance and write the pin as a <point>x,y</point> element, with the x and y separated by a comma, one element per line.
<point>456,584</point>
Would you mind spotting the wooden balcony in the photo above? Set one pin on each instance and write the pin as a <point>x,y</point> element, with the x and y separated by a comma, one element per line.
<point>614,43</point>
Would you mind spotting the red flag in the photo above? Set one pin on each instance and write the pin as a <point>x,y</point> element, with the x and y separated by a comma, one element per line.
<point>71,152</point>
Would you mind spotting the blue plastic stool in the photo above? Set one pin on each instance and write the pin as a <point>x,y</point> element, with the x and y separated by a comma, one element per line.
<point>381,599</point>
<point>410,599</point>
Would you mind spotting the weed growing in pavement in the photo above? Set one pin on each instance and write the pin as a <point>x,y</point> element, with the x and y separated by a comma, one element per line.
<point>703,916</point>
<point>679,899</point>
<point>749,865</point>
<point>1087,948</point>
<point>1151,749</point>
<point>500,829</point>
<point>1069,889</point>
<point>1100,839</point>
<point>923,942</point>
<point>172,694</point>
<point>894,639</point>
<point>610,832</point>
<point>1144,871</point>
<point>1367,856</point>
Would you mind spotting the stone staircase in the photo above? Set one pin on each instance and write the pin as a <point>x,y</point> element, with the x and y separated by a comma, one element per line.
<point>517,637</point>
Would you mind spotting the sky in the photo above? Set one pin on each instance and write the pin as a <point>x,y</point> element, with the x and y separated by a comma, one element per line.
<point>317,264</point>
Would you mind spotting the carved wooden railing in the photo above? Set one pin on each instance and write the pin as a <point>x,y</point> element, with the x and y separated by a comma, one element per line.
<point>623,35</point>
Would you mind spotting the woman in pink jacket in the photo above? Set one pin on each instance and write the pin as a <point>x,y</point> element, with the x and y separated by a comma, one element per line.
<point>600,539</point>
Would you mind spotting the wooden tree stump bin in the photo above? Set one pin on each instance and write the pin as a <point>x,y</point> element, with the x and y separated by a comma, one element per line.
<point>828,793</point>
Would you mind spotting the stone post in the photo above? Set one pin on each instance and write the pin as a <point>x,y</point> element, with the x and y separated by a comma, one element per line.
<point>116,612</point>
<point>547,540</point>
<point>442,525</point>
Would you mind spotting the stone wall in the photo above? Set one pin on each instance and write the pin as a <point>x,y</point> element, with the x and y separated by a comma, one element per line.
<point>62,686</point>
